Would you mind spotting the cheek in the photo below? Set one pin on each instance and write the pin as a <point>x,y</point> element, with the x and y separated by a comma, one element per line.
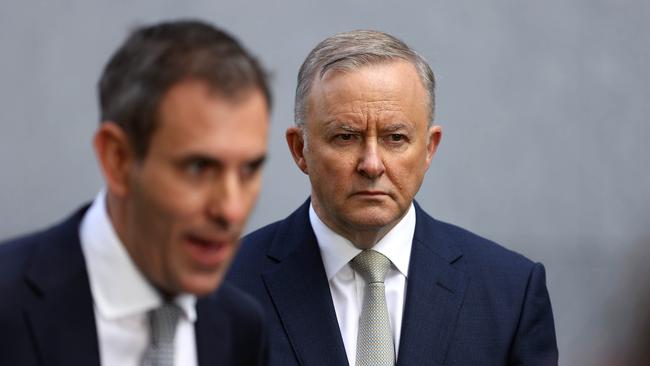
<point>406,174</point>
<point>338,166</point>
<point>170,195</point>
<point>180,199</point>
<point>402,170</point>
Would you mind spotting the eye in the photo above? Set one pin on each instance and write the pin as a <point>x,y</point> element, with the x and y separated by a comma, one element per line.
<point>251,169</point>
<point>197,166</point>
<point>346,138</point>
<point>397,137</point>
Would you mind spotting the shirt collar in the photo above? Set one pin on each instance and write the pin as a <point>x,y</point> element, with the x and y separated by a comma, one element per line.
<point>337,251</point>
<point>119,289</point>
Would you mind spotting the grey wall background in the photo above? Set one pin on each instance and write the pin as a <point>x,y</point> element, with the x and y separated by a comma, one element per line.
<point>544,108</point>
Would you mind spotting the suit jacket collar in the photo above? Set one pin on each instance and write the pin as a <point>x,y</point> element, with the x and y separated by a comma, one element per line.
<point>59,307</point>
<point>435,293</point>
<point>299,290</point>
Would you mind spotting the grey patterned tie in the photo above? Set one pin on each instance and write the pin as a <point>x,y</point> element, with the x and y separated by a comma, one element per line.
<point>374,340</point>
<point>162,323</point>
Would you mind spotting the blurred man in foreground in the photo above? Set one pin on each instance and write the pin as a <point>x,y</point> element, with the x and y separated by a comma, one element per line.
<point>131,279</point>
<point>360,274</point>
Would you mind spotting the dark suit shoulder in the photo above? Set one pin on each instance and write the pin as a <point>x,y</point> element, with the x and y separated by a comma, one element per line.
<point>251,259</point>
<point>505,302</point>
<point>483,253</point>
<point>43,285</point>
<point>268,245</point>
<point>260,239</point>
<point>38,250</point>
<point>491,252</point>
<point>14,254</point>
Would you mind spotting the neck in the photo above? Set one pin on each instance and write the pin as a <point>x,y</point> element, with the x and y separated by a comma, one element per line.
<point>118,214</point>
<point>361,236</point>
<point>115,212</point>
<point>365,239</point>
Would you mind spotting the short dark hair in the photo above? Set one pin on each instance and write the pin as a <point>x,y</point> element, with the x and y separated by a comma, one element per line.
<point>155,58</point>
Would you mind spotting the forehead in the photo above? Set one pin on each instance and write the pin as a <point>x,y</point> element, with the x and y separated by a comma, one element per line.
<point>194,119</point>
<point>391,88</point>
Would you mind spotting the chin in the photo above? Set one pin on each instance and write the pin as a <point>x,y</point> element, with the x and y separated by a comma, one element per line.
<point>370,221</point>
<point>201,284</point>
<point>374,216</point>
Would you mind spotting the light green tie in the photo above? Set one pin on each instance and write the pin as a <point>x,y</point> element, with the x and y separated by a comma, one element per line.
<point>375,340</point>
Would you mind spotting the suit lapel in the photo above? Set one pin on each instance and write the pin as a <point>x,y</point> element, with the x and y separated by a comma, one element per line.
<point>59,306</point>
<point>300,292</point>
<point>435,292</point>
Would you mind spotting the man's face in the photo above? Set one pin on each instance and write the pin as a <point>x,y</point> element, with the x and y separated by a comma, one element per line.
<point>188,199</point>
<point>367,146</point>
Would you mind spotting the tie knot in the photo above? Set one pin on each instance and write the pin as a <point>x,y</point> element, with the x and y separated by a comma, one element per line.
<point>372,265</point>
<point>163,323</point>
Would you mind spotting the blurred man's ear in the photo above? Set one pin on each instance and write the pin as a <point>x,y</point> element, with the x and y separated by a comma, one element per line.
<point>434,134</point>
<point>115,156</point>
<point>296,142</point>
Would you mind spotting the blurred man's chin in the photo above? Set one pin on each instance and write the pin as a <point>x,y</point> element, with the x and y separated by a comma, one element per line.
<point>201,285</point>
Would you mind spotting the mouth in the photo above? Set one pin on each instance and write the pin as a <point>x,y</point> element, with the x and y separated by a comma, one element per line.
<point>208,253</point>
<point>370,193</point>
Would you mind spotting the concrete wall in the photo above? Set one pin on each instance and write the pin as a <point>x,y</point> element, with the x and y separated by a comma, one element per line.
<point>544,108</point>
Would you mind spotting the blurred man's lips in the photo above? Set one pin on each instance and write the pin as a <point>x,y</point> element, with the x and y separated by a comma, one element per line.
<point>208,252</point>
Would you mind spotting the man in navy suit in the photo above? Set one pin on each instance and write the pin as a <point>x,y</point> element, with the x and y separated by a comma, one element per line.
<point>132,279</point>
<point>360,274</point>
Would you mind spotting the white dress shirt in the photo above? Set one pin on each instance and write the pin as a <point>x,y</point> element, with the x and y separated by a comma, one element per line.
<point>122,296</point>
<point>348,287</point>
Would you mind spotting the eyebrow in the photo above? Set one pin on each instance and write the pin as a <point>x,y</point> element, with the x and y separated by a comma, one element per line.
<point>347,126</point>
<point>396,127</point>
<point>254,162</point>
<point>338,124</point>
<point>257,162</point>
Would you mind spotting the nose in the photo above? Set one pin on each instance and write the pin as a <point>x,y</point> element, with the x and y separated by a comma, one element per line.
<point>227,206</point>
<point>370,164</point>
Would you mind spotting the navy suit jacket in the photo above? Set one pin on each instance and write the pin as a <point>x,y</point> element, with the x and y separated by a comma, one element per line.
<point>47,316</point>
<point>468,302</point>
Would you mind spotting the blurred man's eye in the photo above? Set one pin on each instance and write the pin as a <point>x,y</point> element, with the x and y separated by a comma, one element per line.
<point>251,169</point>
<point>197,166</point>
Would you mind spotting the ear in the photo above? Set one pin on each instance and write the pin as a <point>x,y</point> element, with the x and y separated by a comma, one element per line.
<point>296,142</point>
<point>115,157</point>
<point>434,134</point>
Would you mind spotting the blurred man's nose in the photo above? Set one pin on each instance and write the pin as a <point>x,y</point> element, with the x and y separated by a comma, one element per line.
<point>227,203</point>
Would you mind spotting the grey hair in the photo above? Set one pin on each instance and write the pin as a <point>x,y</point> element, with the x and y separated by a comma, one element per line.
<point>353,50</point>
